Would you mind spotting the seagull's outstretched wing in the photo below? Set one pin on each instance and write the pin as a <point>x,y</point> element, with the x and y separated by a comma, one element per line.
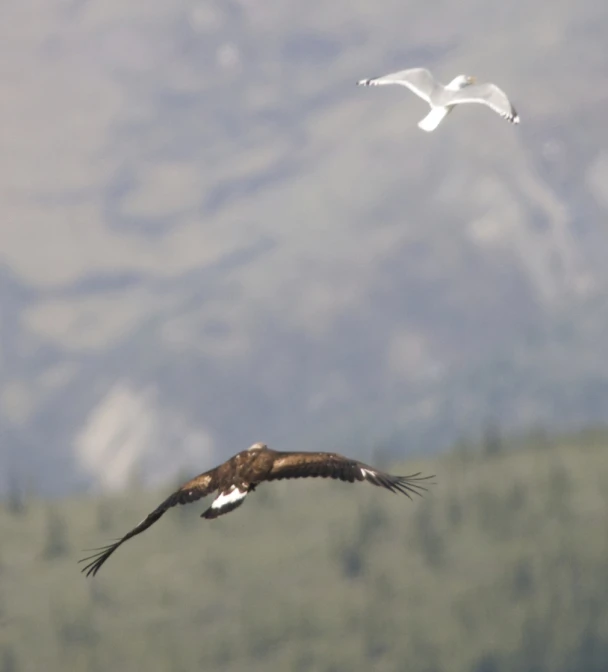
<point>486,94</point>
<point>195,489</point>
<point>331,465</point>
<point>418,80</point>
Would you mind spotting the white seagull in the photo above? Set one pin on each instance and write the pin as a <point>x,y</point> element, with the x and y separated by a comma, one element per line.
<point>462,89</point>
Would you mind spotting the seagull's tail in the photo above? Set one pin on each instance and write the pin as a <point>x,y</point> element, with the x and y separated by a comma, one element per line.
<point>433,118</point>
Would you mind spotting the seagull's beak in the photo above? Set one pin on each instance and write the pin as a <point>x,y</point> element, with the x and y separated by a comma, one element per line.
<point>472,79</point>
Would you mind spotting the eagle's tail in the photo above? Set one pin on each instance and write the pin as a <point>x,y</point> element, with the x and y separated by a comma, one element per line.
<point>225,502</point>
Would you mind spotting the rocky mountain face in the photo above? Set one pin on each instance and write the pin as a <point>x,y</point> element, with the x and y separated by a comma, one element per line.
<point>209,235</point>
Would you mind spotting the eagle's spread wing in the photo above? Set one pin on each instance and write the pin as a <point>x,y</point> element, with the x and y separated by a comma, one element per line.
<point>331,465</point>
<point>195,489</point>
<point>418,80</point>
<point>486,94</point>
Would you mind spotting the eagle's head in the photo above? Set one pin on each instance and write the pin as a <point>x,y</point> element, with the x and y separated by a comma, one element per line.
<point>258,446</point>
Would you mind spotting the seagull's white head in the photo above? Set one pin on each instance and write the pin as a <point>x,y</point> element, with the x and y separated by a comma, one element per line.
<point>461,81</point>
<point>258,446</point>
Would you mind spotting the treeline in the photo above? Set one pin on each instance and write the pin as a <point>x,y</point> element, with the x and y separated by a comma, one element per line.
<point>501,567</point>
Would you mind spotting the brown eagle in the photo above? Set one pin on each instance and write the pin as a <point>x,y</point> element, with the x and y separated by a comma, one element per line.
<point>237,477</point>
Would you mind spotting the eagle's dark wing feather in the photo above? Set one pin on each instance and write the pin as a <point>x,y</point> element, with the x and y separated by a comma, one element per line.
<point>195,489</point>
<point>331,465</point>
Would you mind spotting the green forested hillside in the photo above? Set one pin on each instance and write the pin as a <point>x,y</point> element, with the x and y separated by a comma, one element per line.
<point>502,566</point>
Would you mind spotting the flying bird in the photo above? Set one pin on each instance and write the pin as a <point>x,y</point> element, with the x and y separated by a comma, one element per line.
<point>241,474</point>
<point>442,99</point>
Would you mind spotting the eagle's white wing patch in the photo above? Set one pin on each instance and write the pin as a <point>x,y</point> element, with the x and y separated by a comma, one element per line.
<point>226,498</point>
<point>366,472</point>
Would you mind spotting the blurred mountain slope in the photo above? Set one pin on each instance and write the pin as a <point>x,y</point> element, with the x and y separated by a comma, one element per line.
<point>210,235</point>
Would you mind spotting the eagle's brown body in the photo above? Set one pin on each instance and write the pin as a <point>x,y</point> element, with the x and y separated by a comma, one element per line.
<point>240,475</point>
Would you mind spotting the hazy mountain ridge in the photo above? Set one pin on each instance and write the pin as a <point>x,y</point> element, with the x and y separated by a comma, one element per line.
<point>199,205</point>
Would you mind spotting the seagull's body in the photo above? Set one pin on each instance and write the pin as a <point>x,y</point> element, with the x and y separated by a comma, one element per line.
<point>442,99</point>
<point>237,477</point>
